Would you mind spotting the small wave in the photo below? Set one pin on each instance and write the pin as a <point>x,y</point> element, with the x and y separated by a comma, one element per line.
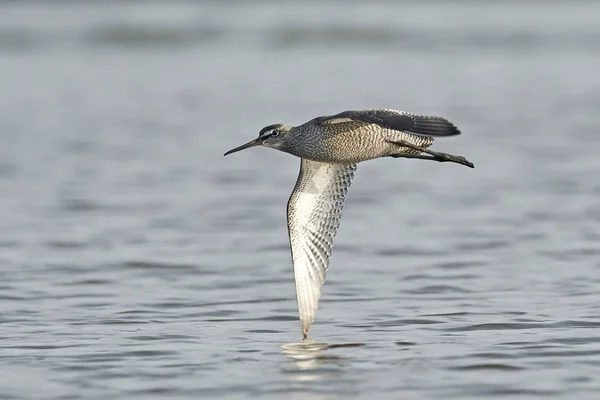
<point>126,36</point>
<point>487,366</point>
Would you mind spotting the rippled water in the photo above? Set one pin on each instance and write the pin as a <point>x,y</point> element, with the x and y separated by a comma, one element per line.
<point>138,262</point>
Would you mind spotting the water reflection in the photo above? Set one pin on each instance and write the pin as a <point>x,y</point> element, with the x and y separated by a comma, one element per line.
<point>311,360</point>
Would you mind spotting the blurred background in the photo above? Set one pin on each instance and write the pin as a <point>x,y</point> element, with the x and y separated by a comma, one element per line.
<point>138,262</point>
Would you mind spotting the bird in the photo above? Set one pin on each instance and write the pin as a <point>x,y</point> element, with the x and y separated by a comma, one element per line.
<point>330,148</point>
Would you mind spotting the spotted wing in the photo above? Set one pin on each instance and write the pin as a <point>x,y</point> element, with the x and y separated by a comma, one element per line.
<point>313,214</point>
<point>397,120</point>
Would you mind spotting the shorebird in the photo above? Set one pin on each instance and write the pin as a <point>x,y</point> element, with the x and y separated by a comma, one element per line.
<point>330,147</point>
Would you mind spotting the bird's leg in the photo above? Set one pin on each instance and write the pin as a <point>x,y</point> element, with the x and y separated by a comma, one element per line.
<point>436,156</point>
<point>421,157</point>
<point>417,156</point>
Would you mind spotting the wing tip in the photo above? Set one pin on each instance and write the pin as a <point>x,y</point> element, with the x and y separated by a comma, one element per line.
<point>305,332</point>
<point>306,323</point>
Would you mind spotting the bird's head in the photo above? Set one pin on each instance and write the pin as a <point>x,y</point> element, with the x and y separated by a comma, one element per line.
<point>269,136</point>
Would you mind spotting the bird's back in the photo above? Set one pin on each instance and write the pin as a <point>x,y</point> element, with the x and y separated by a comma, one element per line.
<point>342,140</point>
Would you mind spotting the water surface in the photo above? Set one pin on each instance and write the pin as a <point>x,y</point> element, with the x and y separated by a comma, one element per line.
<point>138,262</point>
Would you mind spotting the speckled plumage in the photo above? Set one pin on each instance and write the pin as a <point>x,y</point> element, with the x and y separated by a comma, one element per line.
<point>330,148</point>
<point>348,142</point>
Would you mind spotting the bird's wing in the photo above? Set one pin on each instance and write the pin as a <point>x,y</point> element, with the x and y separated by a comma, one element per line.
<point>397,120</point>
<point>313,214</point>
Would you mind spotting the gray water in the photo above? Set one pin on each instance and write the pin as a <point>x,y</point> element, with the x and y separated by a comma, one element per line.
<point>138,262</point>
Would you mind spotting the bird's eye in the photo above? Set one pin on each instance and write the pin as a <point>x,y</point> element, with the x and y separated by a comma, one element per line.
<point>274,133</point>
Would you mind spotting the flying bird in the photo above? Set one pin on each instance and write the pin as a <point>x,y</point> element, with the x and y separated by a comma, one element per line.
<point>330,148</point>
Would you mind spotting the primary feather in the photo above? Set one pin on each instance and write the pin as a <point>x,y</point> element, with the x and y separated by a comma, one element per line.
<point>399,121</point>
<point>314,211</point>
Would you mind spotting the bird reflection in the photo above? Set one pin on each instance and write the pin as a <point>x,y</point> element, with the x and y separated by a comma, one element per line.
<point>311,359</point>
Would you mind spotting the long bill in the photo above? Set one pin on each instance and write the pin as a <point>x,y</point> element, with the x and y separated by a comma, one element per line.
<point>251,143</point>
